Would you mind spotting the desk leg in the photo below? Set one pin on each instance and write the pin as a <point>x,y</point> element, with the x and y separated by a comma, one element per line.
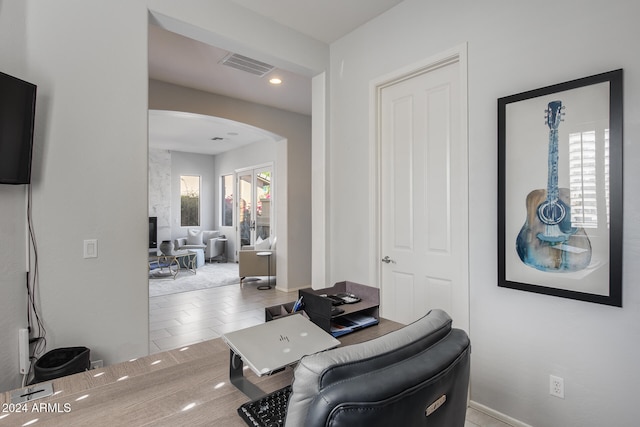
<point>236,376</point>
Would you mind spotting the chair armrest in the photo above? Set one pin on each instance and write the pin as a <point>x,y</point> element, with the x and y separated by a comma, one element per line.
<point>179,242</point>
<point>215,247</point>
<point>250,264</point>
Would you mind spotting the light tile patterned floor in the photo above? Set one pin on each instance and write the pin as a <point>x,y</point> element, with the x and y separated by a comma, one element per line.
<point>188,317</point>
<point>185,318</point>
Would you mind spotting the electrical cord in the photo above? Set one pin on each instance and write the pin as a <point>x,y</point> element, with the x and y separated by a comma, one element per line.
<point>34,320</point>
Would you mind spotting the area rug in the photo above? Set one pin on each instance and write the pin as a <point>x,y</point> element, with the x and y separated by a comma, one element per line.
<point>208,276</point>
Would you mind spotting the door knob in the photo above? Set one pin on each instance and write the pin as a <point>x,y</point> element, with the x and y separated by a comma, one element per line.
<point>388,260</point>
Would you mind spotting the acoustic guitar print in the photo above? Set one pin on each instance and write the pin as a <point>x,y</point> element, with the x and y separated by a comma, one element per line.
<point>547,240</point>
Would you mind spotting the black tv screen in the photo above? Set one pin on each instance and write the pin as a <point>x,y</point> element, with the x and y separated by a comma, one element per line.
<point>17,116</point>
<point>153,232</point>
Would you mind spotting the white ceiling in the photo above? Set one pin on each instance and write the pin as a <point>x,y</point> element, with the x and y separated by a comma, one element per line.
<point>186,62</point>
<point>197,133</point>
<point>324,20</point>
<point>179,60</point>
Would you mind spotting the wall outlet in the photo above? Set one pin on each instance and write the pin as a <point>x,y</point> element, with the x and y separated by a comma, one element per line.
<point>95,364</point>
<point>23,350</point>
<point>556,386</point>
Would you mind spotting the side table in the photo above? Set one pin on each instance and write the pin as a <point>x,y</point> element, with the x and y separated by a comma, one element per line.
<point>173,262</point>
<point>266,255</point>
<point>223,255</point>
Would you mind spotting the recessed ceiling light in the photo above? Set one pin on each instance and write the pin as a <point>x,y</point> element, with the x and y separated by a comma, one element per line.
<point>275,81</point>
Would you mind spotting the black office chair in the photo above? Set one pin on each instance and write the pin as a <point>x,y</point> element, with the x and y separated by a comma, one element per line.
<point>415,376</point>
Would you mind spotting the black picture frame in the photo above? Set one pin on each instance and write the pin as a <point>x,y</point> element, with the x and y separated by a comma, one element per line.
<point>560,223</point>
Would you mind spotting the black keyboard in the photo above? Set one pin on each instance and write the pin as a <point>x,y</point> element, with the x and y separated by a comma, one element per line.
<point>268,411</point>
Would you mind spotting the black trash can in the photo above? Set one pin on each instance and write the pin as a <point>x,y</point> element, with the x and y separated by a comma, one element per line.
<point>61,362</point>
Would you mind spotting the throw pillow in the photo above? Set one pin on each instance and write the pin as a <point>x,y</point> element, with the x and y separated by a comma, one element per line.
<point>262,245</point>
<point>194,237</point>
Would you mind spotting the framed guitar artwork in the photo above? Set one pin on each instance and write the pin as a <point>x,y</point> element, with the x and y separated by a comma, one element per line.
<point>560,190</point>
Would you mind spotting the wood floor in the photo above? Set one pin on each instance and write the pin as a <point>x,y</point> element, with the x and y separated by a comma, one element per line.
<point>185,318</point>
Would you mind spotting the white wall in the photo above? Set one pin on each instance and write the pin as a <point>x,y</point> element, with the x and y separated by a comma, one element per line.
<point>165,170</point>
<point>89,60</point>
<point>201,165</point>
<point>518,338</point>
<point>91,176</point>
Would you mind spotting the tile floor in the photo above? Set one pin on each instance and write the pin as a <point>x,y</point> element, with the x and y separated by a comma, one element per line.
<point>179,319</point>
<point>185,318</point>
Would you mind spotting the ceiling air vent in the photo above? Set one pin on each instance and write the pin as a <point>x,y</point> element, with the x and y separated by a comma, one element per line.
<point>249,65</point>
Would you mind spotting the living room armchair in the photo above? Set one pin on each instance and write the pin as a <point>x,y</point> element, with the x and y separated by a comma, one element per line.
<point>208,240</point>
<point>250,264</point>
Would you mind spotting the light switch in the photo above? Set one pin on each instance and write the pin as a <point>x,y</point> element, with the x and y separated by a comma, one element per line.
<point>91,248</point>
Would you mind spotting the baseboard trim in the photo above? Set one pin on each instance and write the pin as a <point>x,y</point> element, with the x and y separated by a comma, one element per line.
<point>297,288</point>
<point>497,415</point>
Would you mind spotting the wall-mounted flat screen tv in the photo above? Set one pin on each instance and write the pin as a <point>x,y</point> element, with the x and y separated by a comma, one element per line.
<point>17,117</point>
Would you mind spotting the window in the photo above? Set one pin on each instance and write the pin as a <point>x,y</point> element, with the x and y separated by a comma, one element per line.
<point>226,216</point>
<point>189,201</point>
<point>585,165</point>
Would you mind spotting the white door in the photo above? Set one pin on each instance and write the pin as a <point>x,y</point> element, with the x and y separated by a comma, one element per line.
<point>254,204</point>
<point>424,196</point>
